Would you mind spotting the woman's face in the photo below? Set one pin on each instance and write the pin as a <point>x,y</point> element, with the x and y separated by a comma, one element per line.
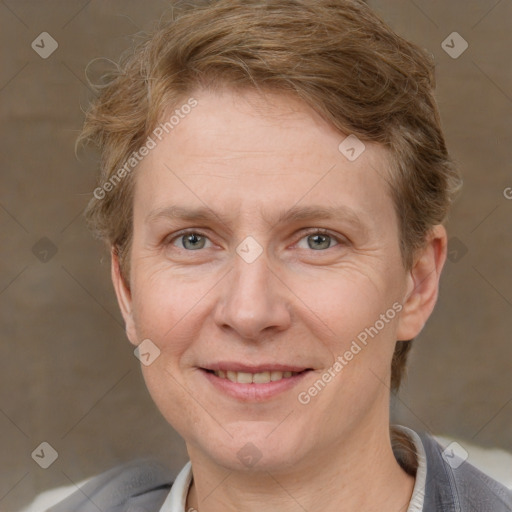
<point>261,248</point>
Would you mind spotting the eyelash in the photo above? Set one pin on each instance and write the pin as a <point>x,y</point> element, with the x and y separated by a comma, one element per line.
<point>313,231</point>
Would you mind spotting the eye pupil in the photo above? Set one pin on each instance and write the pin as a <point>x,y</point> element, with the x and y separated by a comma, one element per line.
<point>196,241</point>
<point>323,239</point>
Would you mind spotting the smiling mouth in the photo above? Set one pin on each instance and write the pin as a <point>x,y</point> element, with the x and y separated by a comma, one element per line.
<point>254,378</point>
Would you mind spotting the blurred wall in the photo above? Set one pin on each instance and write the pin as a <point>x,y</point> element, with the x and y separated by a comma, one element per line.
<point>68,375</point>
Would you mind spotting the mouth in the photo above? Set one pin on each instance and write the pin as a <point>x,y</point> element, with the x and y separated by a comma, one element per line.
<point>263,377</point>
<point>254,384</point>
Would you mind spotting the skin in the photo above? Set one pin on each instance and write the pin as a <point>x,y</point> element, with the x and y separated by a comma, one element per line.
<point>249,158</point>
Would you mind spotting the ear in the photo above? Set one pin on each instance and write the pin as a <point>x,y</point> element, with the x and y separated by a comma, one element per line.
<point>423,285</point>
<point>124,298</point>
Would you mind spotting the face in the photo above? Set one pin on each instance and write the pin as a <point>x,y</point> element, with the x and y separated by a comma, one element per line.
<point>266,269</point>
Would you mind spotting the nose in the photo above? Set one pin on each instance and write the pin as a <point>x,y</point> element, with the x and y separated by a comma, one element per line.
<point>254,303</point>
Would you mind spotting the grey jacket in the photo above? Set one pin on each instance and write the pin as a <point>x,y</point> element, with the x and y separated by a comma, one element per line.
<point>143,485</point>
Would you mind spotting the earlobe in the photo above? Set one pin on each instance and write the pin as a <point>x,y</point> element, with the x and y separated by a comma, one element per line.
<point>423,285</point>
<point>124,298</point>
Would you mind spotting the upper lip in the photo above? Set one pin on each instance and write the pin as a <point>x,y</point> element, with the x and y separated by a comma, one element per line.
<point>250,368</point>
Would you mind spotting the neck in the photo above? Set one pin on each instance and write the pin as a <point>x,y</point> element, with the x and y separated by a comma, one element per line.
<point>338,479</point>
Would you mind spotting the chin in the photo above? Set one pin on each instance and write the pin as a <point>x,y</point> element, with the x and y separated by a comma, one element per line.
<point>255,448</point>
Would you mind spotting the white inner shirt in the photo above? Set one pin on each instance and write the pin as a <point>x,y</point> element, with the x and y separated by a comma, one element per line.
<point>177,498</point>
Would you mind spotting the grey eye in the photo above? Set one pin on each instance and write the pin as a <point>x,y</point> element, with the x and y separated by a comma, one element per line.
<point>192,241</point>
<point>319,241</point>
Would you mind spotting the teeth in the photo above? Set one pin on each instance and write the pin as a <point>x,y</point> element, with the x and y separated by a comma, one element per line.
<point>244,378</point>
<point>261,378</point>
<point>276,376</point>
<point>256,378</point>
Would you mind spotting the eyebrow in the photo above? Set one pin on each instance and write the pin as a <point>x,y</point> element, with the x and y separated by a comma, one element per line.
<point>182,213</point>
<point>294,214</point>
<point>298,213</point>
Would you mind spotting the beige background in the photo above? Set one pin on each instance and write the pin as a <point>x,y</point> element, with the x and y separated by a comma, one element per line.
<point>69,377</point>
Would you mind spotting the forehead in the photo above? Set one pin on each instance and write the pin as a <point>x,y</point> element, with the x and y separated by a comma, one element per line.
<point>247,154</point>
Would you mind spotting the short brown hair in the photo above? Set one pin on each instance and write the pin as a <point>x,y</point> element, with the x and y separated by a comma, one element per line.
<point>335,55</point>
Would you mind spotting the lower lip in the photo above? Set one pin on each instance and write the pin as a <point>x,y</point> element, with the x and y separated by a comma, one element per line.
<point>254,392</point>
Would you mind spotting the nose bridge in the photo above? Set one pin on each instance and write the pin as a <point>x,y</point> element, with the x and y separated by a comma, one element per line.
<point>253,299</point>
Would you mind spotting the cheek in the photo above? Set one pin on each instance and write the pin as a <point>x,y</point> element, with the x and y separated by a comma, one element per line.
<point>166,315</point>
<point>163,300</point>
<point>173,398</point>
<point>341,304</point>
<point>355,317</point>
<point>160,314</point>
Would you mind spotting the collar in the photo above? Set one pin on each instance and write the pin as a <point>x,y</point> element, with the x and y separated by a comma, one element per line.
<point>407,447</point>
